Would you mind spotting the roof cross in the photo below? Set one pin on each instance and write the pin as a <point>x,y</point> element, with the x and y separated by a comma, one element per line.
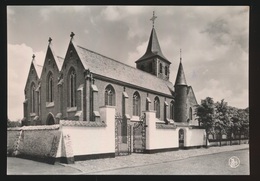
<point>33,56</point>
<point>153,18</point>
<point>72,34</point>
<point>180,55</point>
<point>49,40</point>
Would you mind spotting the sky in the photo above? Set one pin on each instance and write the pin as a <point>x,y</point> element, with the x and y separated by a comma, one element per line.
<point>214,41</point>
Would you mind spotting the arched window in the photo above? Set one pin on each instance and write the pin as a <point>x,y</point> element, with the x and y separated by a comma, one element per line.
<point>190,113</point>
<point>110,96</point>
<point>160,67</point>
<point>166,70</point>
<point>136,104</point>
<point>33,98</point>
<point>151,67</point>
<point>50,88</point>
<point>157,107</point>
<point>172,110</point>
<point>72,87</point>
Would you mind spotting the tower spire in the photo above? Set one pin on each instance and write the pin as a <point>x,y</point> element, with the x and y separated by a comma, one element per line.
<point>153,18</point>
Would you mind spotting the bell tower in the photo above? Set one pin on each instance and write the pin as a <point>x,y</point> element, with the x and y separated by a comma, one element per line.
<point>153,61</point>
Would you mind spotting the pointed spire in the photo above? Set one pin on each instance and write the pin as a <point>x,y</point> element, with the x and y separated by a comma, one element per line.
<point>180,78</point>
<point>153,48</point>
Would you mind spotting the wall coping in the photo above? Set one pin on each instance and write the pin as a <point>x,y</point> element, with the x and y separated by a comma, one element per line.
<point>82,123</point>
<point>41,127</point>
<point>165,126</point>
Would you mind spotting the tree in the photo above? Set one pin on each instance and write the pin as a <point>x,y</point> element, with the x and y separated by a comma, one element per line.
<point>206,115</point>
<point>13,123</point>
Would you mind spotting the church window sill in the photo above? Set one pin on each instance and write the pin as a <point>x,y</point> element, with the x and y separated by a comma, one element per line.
<point>49,104</point>
<point>71,109</point>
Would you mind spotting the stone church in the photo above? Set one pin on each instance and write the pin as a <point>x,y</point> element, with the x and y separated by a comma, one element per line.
<point>74,87</point>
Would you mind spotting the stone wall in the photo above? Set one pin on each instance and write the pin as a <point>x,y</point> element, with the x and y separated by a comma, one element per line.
<point>35,142</point>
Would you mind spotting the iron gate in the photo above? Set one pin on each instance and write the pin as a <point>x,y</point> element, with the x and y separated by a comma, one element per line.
<point>139,135</point>
<point>122,136</point>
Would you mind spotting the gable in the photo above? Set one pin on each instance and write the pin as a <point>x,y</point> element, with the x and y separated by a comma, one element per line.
<point>32,76</point>
<point>71,57</point>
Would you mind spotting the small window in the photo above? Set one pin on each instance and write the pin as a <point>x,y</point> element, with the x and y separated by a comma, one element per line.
<point>160,67</point>
<point>166,70</point>
<point>190,113</point>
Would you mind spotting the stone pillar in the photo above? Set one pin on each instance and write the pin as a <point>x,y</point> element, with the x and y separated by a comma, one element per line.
<point>107,115</point>
<point>150,129</point>
<point>88,95</point>
<point>95,109</point>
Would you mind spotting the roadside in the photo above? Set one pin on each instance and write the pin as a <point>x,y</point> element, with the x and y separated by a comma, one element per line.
<point>27,167</point>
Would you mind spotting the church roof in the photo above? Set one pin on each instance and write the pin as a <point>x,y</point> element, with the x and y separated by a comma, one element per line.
<point>153,48</point>
<point>180,78</point>
<point>110,68</point>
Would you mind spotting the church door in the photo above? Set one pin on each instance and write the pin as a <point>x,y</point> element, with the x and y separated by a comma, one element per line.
<point>181,138</point>
<point>50,120</point>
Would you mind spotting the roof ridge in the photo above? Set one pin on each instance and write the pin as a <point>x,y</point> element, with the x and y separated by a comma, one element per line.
<point>124,64</point>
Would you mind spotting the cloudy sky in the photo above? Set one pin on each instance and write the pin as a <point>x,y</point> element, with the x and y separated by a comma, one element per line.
<point>214,42</point>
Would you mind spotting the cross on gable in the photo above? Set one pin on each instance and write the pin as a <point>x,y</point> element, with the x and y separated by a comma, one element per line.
<point>153,18</point>
<point>72,35</point>
<point>33,56</point>
<point>49,40</point>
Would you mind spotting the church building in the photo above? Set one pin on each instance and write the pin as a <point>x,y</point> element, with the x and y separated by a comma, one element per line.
<point>74,87</point>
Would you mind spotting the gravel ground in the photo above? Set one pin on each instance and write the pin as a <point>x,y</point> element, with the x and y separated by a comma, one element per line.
<point>135,159</point>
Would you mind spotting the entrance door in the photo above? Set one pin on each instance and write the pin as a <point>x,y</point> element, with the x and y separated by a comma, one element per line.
<point>181,138</point>
<point>50,120</point>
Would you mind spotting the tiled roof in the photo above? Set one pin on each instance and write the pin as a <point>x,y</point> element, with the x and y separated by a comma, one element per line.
<point>116,70</point>
<point>153,48</point>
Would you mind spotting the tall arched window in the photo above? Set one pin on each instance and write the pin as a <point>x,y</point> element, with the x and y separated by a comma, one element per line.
<point>160,67</point>
<point>157,107</point>
<point>190,113</point>
<point>110,96</point>
<point>172,110</point>
<point>50,88</point>
<point>72,87</point>
<point>136,104</point>
<point>33,98</point>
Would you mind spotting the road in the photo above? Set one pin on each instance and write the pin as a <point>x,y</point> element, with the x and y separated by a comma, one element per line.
<point>214,164</point>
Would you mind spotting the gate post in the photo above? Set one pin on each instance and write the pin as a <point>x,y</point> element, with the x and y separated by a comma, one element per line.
<point>150,129</point>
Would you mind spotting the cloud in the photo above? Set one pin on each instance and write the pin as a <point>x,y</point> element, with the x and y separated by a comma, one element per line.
<point>19,61</point>
<point>214,89</point>
<point>49,12</point>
